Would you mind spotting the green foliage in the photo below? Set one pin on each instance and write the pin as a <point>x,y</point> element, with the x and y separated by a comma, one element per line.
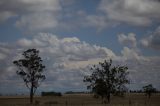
<point>149,89</point>
<point>106,80</point>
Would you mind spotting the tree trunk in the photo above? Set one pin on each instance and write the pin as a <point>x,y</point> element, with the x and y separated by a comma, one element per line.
<point>149,95</point>
<point>102,99</point>
<point>31,94</point>
<point>108,98</point>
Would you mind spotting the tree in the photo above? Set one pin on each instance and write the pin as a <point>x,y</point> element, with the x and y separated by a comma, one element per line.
<point>149,89</point>
<point>30,68</point>
<point>106,80</point>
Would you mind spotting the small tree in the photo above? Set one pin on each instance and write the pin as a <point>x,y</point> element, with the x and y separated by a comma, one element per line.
<point>30,68</point>
<point>149,89</point>
<point>106,80</point>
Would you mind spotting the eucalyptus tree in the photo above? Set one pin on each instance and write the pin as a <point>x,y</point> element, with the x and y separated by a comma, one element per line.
<point>30,69</point>
<point>107,80</point>
<point>149,89</point>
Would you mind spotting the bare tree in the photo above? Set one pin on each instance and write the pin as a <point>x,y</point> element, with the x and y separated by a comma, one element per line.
<point>30,68</point>
<point>106,80</point>
<point>149,89</point>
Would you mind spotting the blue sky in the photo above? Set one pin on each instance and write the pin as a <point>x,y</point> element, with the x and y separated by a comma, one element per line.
<point>74,34</point>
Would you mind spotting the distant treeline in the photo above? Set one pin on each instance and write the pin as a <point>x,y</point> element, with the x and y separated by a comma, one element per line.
<point>141,91</point>
<point>130,91</point>
<point>51,93</point>
<point>73,92</point>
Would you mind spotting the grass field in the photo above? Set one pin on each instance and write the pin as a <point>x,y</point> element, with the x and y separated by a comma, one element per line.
<point>81,100</point>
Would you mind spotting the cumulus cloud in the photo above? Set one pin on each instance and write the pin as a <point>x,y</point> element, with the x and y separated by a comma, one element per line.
<point>132,54</point>
<point>130,50</point>
<point>153,40</point>
<point>64,58</point>
<point>139,69</point>
<point>2,56</point>
<point>5,15</point>
<point>129,40</point>
<point>68,59</point>
<point>138,64</point>
<point>35,15</point>
<point>66,53</point>
<point>133,12</point>
<point>38,21</point>
<point>38,15</point>
<point>31,14</point>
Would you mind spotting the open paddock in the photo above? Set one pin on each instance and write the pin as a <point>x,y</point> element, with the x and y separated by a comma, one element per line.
<point>81,100</point>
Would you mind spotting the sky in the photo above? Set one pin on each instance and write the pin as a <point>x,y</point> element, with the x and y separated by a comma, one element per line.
<point>72,35</point>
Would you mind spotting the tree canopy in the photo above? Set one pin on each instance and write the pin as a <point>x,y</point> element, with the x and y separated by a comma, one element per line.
<point>149,89</point>
<point>107,79</point>
<point>30,68</point>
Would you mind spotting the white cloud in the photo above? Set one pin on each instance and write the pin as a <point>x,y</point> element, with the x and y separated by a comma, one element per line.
<point>24,42</point>
<point>153,40</point>
<point>32,14</point>
<point>74,40</point>
<point>35,15</point>
<point>138,64</point>
<point>71,47</point>
<point>149,69</point>
<point>129,40</point>
<point>69,59</point>
<point>40,15</point>
<point>30,5</point>
<point>5,15</point>
<point>41,5</point>
<point>37,21</point>
<point>2,56</point>
<point>130,50</point>
<point>3,51</point>
<point>131,54</point>
<point>133,12</point>
<point>61,55</point>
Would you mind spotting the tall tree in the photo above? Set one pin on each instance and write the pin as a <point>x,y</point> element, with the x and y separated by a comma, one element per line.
<point>149,89</point>
<point>30,68</point>
<point>106,80</point>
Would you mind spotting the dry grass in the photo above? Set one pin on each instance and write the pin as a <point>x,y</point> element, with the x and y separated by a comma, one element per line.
<point>82,100</point>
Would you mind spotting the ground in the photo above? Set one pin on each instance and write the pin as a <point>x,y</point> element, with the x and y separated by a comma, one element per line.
<point>81,100</point>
